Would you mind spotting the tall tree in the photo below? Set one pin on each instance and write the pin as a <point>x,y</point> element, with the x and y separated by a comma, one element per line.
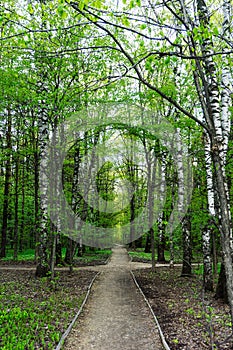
<point>7,184</point>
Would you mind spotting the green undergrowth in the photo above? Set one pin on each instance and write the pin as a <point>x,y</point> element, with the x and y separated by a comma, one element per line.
<point>94,256</point>
<point>25,255</point>
<point>199,270</point>
<point>89,255</point>
<point>139,254</point>
<point>35,312</point>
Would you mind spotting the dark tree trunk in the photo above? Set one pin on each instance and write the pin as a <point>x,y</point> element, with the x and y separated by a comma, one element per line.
<point>132,217</point>
<point>59,260</point>
<point>6,188</point>
<point>148,243</point>
<point>70,251</point>
<point>221,289</point>
<point>21,227</point>
<point>138,242</point>
<point>36,200</point>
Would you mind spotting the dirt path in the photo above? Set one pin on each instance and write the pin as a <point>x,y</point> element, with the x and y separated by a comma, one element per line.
<point>116,316</point>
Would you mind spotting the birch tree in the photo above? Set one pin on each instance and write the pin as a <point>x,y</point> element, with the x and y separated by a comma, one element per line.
<point>207,231</point>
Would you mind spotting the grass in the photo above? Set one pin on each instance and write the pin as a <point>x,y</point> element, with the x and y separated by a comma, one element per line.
<point>140,254</point>
<point>34,314</point>
<point>199,270</point>
<point>26,255</point>
<point>97,255</point>
<point>88,256</point>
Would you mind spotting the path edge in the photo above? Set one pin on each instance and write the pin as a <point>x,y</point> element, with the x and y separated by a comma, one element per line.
<point>68,330</point>
<point>165,344</point>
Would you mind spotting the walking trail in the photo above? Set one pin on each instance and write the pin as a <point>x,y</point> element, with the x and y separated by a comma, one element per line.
<point>116,316</point>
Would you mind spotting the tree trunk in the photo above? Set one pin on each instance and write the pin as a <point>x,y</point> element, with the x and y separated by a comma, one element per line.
<point>216,112</point>
<point>161,239</point>
<point>160,221</point>
<point>16,216</point>
<point>21,227</point>
<point>226,224</point>
<point>206,233</point>
<point>36,197</point>
<point>59,260</point>
<point>221,289</point>
<point>43,267</point>
<point>53,254</point>
<point>187,251</point>
<point>148,243</point>
<point>215,255</point>
<point>6,186</point>
<point>207,261</point>
<point>70,252</point>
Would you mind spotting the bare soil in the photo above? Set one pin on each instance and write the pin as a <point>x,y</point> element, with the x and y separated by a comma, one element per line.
<point>190,319</point>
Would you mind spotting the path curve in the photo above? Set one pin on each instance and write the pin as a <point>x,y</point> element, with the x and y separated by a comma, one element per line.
<point>116,316</point>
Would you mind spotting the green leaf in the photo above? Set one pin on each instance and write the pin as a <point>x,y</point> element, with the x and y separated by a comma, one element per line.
<point>131,4</point>
<point>30,9</point>
<point>125,21</point>
<point>83,3</point>
<point>62,13</point>
<point>97,4</point>
<point>174,59</point>
<point>143,26</point>
<point>148,64</point>
<point>215,31</point>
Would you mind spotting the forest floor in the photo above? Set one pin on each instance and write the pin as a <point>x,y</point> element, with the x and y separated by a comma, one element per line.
<point>190,320</point>
<point>34,313</point>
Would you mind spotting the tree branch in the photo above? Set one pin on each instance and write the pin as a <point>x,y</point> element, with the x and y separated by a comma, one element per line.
<point>87,14</point>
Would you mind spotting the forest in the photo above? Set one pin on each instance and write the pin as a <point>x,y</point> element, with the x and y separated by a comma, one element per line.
<point>116,128</point>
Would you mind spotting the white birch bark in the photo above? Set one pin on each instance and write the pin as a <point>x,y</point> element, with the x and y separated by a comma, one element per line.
<point>160,221</point>
<point>206,231</point>
<point>43,132</point>
<point>185,219</point>
<point>215,126</point>
<point>226,85</point>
